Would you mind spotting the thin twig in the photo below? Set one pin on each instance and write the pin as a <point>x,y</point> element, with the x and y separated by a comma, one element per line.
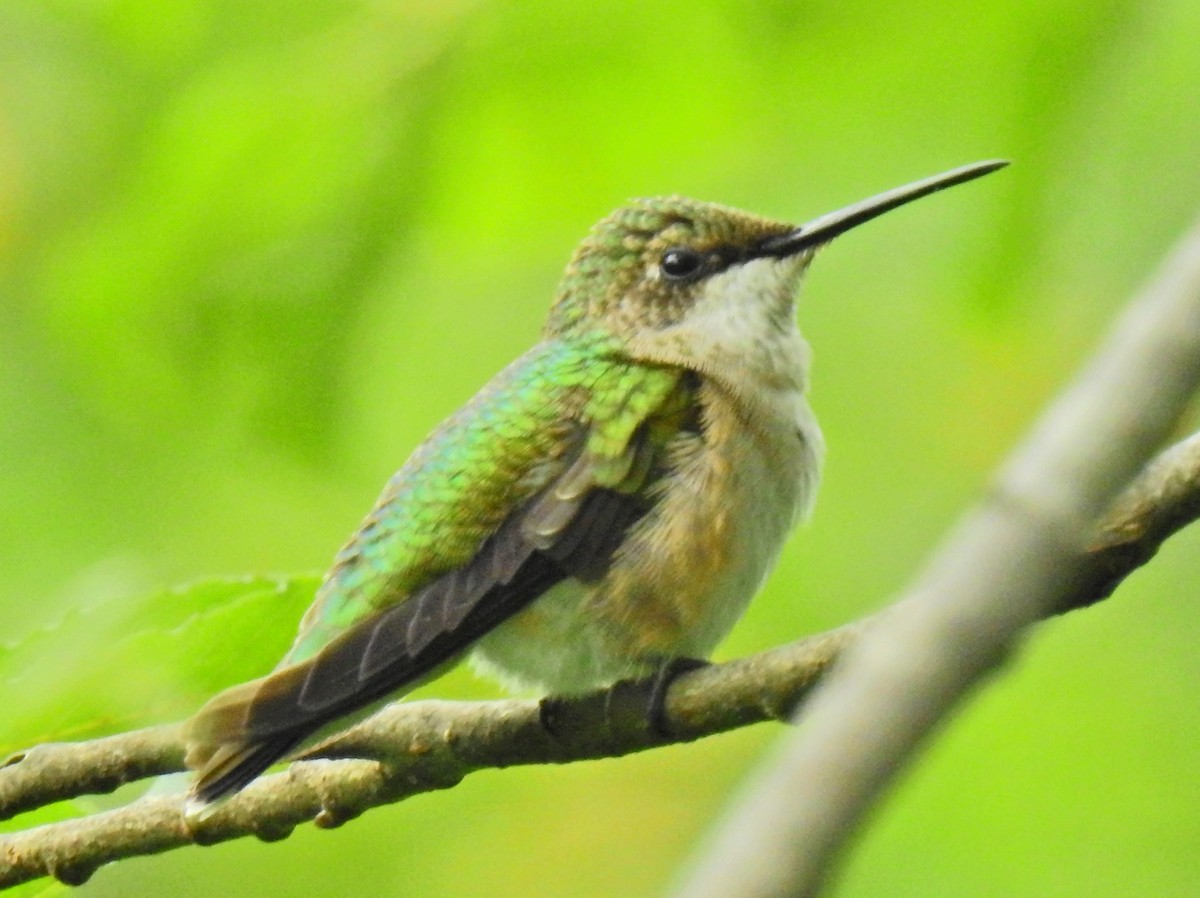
<point>416,747</point>
<point>55,771</point>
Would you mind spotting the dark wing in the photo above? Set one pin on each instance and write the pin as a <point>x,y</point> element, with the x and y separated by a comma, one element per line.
<point>570,529</point>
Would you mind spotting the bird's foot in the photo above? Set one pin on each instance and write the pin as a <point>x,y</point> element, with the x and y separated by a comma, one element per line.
<point>626,703</point>
<point>664,675</point>
<point>550,709</point>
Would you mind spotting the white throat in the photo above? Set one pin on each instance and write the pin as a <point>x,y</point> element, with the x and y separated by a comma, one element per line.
<point>741,331</point>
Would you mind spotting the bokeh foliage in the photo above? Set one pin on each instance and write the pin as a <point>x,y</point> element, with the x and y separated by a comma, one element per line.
<point>251,252</point>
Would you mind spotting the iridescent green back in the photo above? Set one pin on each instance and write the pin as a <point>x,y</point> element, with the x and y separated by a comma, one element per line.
<point>486,460</point>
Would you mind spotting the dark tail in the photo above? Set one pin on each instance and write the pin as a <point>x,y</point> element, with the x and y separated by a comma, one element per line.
<point>244,730</point>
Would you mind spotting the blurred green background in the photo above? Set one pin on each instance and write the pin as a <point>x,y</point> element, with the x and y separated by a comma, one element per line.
<point>251,253</point>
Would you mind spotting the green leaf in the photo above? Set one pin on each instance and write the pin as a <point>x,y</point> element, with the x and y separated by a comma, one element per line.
<point>40,888</point>
<point>123,664</point>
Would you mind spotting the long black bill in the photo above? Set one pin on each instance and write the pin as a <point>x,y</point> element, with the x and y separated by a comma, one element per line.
<point>826,227</point>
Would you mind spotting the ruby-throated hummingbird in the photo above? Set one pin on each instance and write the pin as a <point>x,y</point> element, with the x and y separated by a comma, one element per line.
<point>608,503</point>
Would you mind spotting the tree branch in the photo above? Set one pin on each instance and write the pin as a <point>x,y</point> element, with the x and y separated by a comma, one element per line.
<point>416,747</point>
<point>422,746</point>
<point>56,771</point>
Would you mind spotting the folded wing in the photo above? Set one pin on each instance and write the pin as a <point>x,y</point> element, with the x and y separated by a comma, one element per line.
<point>568,529</point>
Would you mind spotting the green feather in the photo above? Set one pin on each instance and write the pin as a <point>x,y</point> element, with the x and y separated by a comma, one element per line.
<point>495,453</point>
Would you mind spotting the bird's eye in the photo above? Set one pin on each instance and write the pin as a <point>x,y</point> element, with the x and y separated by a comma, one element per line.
<point>680,264</point>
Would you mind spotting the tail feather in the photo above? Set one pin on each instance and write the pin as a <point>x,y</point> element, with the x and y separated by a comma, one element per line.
<point>231,767</point>
<point>223,749</point>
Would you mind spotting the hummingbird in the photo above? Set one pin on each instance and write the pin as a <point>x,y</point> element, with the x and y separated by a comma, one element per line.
<point>606,506</point>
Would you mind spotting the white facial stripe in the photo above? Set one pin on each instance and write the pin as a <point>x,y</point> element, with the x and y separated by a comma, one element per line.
<point>747,304</point>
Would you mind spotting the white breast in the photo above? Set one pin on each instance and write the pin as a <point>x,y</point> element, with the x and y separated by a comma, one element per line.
<point>688,569</point>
